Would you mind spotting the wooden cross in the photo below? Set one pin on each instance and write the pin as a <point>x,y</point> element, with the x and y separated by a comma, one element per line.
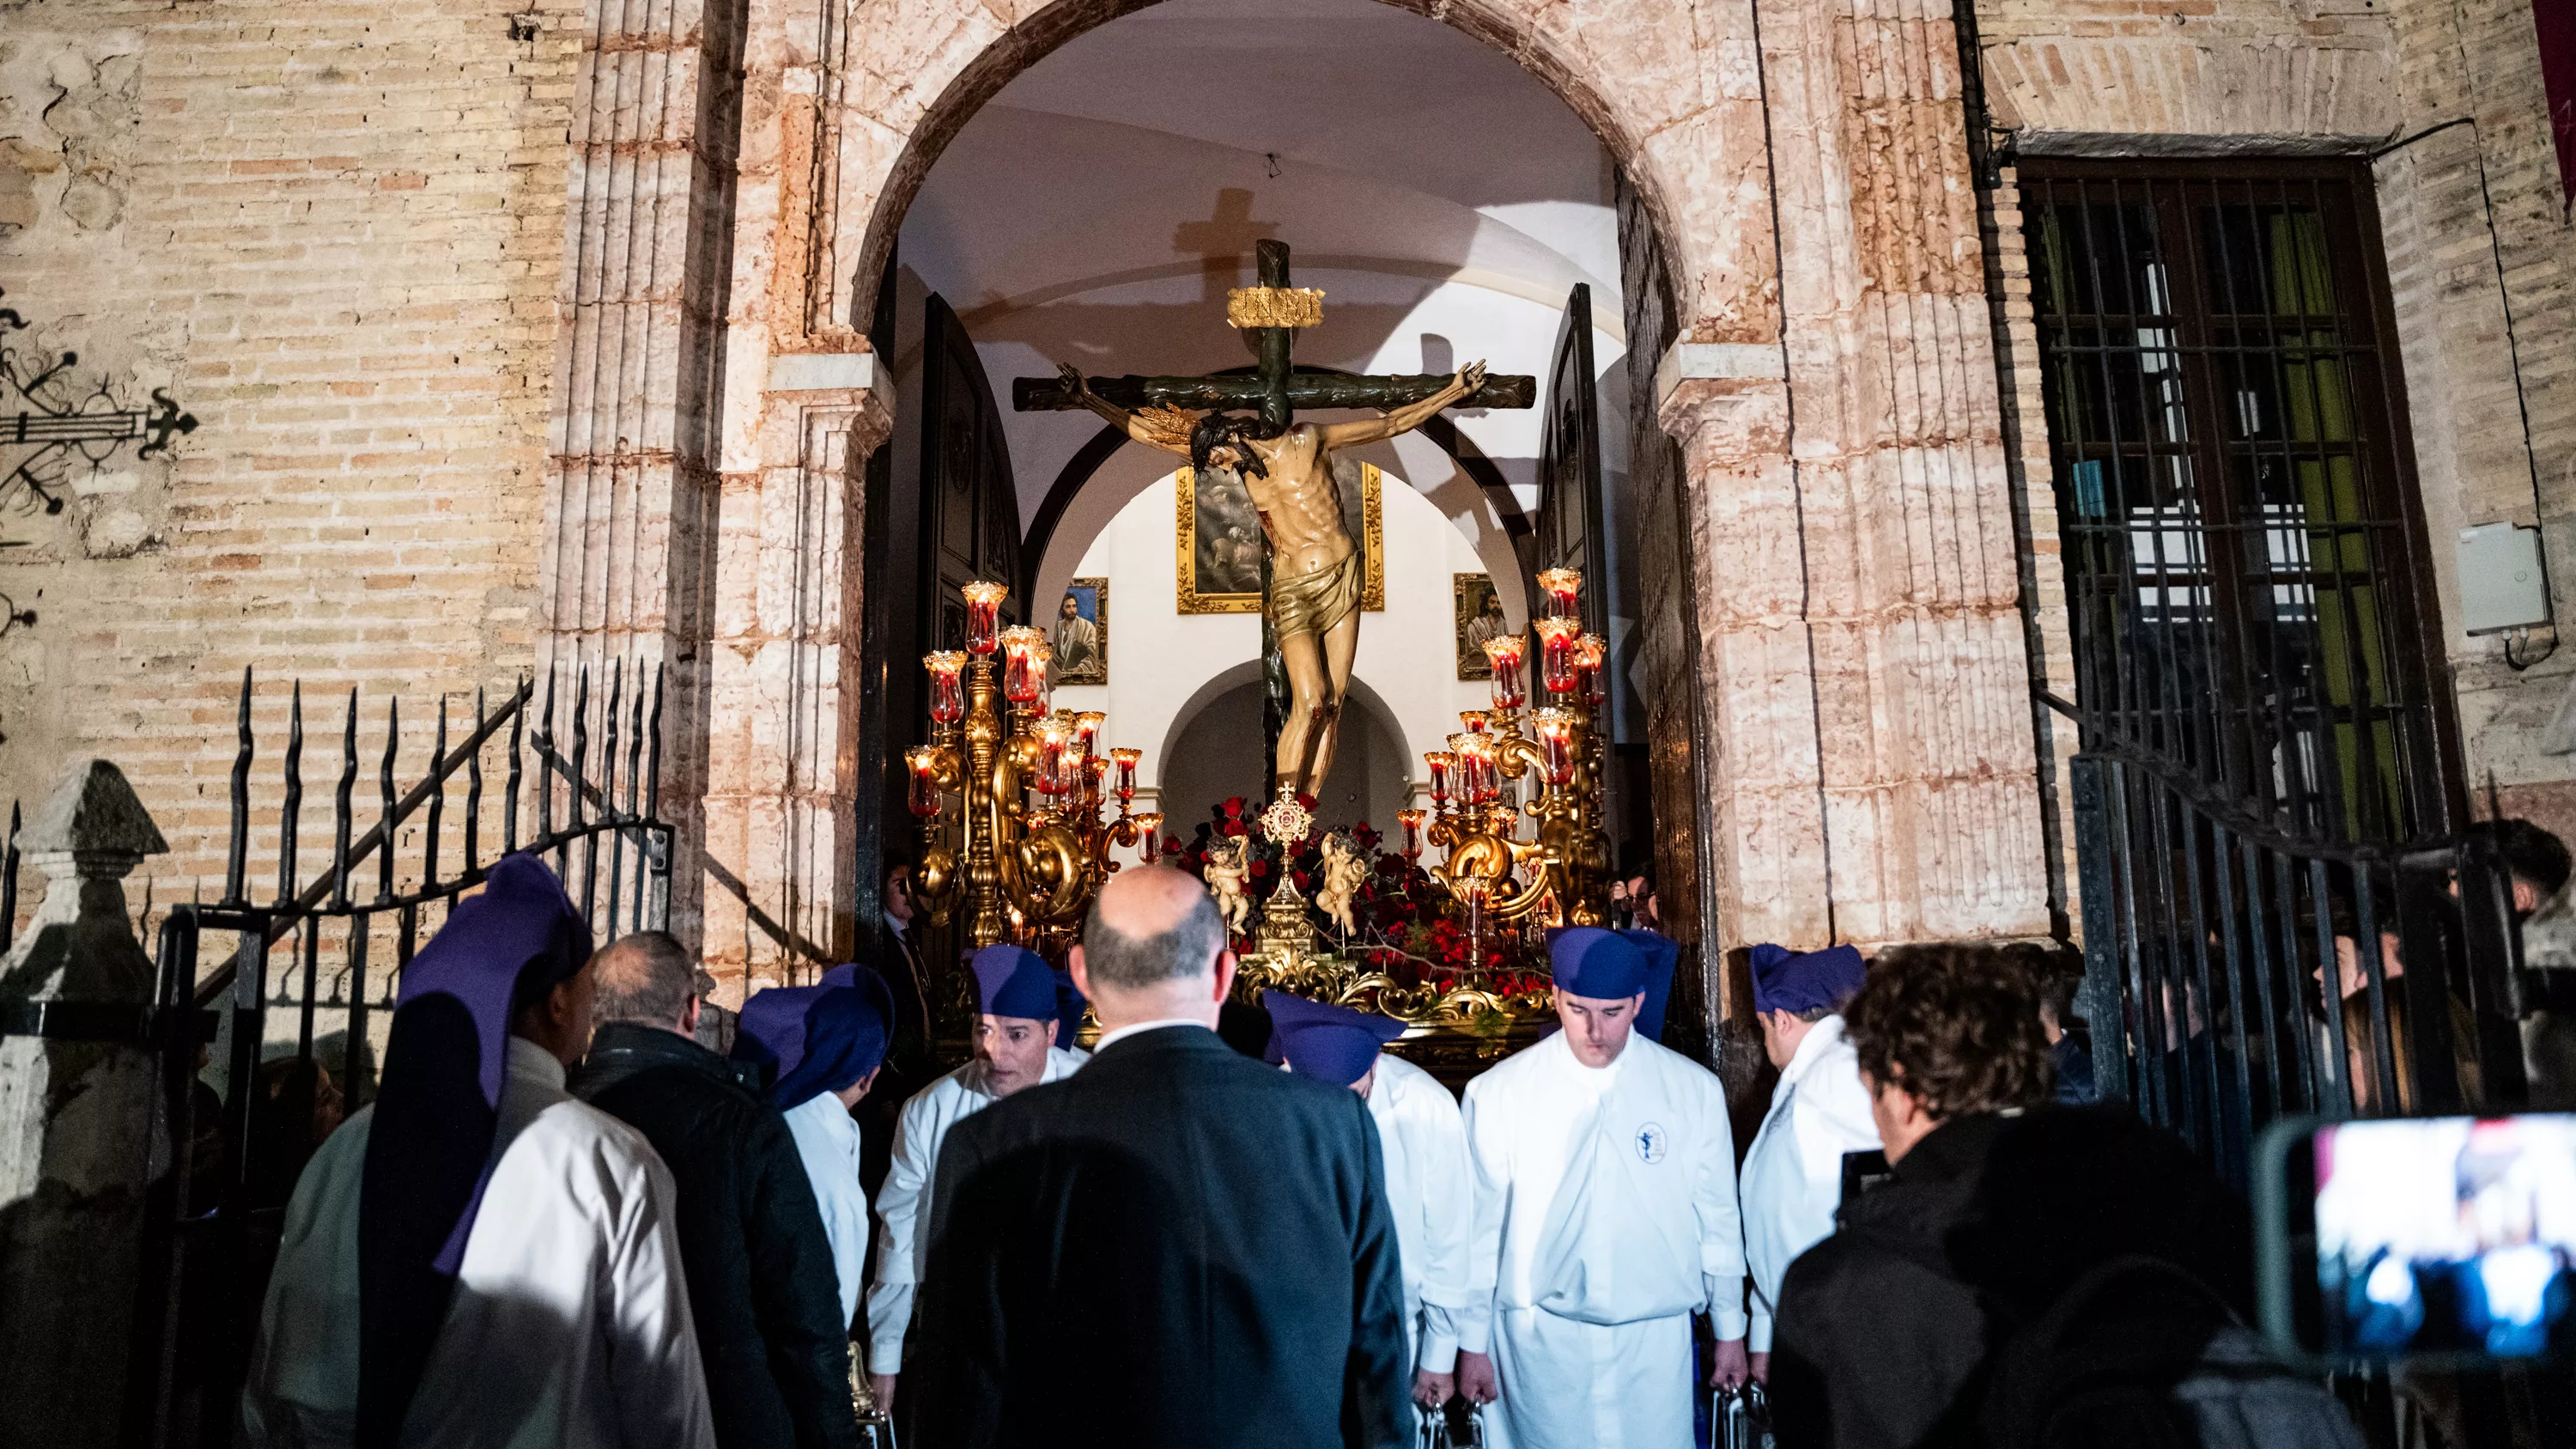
<point>1276,388</point>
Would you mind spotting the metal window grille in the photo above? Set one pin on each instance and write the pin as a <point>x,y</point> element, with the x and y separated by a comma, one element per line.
<point>2245,558</point>
<point>2281,914</point>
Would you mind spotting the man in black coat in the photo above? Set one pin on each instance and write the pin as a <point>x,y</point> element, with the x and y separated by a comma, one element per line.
<point>1996,1205</point>
<point>761,1282</point>
<point>1177,1246</point>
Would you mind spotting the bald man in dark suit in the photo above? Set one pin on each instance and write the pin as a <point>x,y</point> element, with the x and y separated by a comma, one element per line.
<point>1177,1246</point>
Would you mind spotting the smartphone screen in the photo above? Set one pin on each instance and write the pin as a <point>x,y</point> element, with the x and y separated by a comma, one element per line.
<point>2423,1238</point>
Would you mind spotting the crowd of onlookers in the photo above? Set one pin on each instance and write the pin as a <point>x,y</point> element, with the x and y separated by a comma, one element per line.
<point>589,1207</point>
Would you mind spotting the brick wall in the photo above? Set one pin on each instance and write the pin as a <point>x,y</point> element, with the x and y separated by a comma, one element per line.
<point>334,232</point>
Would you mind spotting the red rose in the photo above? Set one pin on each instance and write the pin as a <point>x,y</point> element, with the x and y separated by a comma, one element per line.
<point>1305,802</point>
<point>1259,869</point>
<point>1234,807</point>
<point>1234,827</point>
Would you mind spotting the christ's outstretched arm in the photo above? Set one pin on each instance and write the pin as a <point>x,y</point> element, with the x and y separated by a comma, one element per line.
<point>1406,418</point>
<point>1118,417</point>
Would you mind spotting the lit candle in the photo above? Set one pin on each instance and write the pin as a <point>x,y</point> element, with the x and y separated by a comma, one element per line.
<point>1475,720</point>
<point>1555,728</point>
<point>1023,669</point>
<point>1052,737</point>
<point>1441,763</point>
<point>1411,821</point>
<point>1039,658</point>
<point>1562,585</point>
<point>1086,727</point>
<point>1556,653</point>
<point>947,696</point>
<point>1592,668</point>
<point>1126,760</point>
<point>1510,655</point>
<point>1476,754</point>
<point>925,780</point>
<point>1149,835</point>
<point>1094,770</point>
<point>983,613</point>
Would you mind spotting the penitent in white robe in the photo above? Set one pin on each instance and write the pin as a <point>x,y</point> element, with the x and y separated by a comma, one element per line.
<point>1793,1177</point>
<point>827,1142</point>
<point>570,1322</point>
<point>906,1191</point>
<point>1424,1142</point>
<point>1605,1217</point>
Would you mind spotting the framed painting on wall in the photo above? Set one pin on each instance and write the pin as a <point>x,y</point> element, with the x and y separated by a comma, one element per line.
<point>1216,537</point>
<point>1079,633</point>
<point>1479,618</point>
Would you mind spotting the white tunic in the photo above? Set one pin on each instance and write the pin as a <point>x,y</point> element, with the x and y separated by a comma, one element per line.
<point>1424,1142</point>
<point>570,1322</point>
<point>1605,1217</point>
<point>918,1132</point>
<point>827,1140</point>
<point>1793,1177</point>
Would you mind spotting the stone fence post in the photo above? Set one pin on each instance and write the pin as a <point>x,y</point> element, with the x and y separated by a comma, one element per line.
<point>77,1113</point>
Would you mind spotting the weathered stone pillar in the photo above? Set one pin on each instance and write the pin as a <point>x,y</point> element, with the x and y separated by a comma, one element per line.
<point>782,708</point>
<point>77,1147</point>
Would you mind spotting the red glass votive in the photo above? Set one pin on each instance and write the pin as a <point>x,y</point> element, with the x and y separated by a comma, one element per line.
<point>1555,731</point>
<point>947,691</point>
<point>1411,822</point>
<point>983,613</point>
<point>1561,587</point>
<point>1023,667</point>
<point>1441,763</point>
<point>1556,653</point>
<point>1149,835</point>
<point>1126,762</point>
<point>1510,656</point>
<point>924,795</point>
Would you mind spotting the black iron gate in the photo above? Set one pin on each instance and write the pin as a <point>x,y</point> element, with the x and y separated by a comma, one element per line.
<point>2284,908</point>
<point>576,785</point>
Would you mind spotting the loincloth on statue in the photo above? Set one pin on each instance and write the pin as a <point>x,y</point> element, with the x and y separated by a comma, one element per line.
<point>1313,603</point>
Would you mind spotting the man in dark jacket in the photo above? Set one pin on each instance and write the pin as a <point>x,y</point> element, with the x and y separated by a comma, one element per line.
<point>769,1323</point>
<point>1997,1205</point>
<point>1177,1246</point>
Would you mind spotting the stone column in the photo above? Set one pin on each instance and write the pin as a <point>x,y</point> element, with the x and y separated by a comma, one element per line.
<point>1918,668</point>
<point>782,704</point>
<point>77,1142</point>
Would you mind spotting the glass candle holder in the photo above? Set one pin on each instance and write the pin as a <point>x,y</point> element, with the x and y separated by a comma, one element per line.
<point>1095,769</point>
<point>947,691</point>
<point>1149,835</point>
<point>1126,762</point>
<point>1441,763</point>
<point>1052,737</point>
<point>1510,656</point>
<point>1562,586</point>
<point>1592,668</point>
<point>983,613</point>
<point>1023,667</point>
<point>1411,823</point>
<point>1475,720</point>
<point>1086,728</point>
<point>1483,782</point>
<point>1556,653</point>
<point>924,795</point>
<point>1555,730</point>
<point>1039,659</point>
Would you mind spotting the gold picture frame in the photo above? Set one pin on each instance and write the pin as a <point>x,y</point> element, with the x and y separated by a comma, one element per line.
<point>1210,584</point>
<point>1470,593</point>
<point>1073,664</point>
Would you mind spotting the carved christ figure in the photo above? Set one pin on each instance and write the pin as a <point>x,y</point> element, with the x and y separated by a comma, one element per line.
<point>1316,569</point>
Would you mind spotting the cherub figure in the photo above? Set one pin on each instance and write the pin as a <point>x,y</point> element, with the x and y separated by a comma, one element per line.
<point>1225,875</point>
<point>1342,875</point>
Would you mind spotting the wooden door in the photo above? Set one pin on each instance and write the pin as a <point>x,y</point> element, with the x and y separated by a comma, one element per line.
<point>970,509</point>
<point>1571,532</point>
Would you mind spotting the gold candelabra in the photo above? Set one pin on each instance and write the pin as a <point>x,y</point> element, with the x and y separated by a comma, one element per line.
<point>1560,874</point>
<point>1029,845</point>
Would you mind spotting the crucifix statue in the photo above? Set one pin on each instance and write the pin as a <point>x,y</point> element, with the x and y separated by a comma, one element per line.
<point>1311,598</point>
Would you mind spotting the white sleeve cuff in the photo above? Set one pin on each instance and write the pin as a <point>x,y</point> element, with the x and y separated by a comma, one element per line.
<point>1758,1337</point>
<point>1439,1341</point>
<point>1473,1328</point>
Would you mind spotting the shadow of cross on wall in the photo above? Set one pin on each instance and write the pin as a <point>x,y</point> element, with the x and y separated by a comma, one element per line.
<point>1221,241</point>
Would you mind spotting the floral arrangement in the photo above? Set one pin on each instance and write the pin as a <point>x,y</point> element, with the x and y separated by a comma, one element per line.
<point>1407,928</point>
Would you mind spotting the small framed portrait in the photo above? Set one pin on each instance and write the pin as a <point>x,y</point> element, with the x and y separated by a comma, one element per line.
<point>1217,537</point>
<point>1480,617</point>
<point>1079,633</point>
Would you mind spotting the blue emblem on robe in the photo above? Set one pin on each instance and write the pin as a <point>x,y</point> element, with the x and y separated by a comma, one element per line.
<point>1650,1143</point>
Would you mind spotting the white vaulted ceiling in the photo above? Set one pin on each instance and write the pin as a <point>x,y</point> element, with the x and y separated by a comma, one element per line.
<point>1098,208</point>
